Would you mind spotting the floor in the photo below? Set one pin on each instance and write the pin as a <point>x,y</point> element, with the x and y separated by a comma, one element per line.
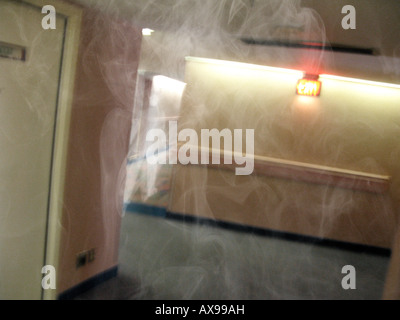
<point>163,259</point>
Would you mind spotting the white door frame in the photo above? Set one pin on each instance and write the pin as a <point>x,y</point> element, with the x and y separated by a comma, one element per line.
<point>73,14</point>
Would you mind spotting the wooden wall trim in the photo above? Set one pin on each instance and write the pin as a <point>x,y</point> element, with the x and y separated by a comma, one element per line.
<point>303,172</point>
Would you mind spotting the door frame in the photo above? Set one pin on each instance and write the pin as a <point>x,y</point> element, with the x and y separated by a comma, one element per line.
<point>73,15</point>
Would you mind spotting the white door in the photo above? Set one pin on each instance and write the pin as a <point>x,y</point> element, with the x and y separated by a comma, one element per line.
<point>28,104</point>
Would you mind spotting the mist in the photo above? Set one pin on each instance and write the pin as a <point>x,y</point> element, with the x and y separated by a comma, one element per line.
<point>207,240</point>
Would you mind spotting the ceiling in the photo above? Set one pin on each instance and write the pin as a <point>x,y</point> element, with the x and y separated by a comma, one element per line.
<point>378,22</point>
<point>217,21</point>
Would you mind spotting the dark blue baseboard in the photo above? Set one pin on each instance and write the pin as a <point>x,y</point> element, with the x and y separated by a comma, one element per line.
<point>164,213</point>
<point>143,208</point>
<point>354,247</point>
<point>88,284</point>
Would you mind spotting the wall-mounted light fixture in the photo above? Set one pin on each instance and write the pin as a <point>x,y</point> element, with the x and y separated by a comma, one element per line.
<point>309,85</point>
<point>147,32</point>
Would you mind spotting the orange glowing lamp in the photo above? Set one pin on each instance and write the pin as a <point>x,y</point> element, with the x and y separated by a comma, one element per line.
<point>309,86</point>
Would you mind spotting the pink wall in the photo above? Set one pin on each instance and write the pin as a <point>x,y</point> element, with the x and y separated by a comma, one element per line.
<point>98,146</point>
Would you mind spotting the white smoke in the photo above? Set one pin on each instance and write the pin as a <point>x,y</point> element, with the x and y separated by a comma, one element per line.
<point>185,261</point>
